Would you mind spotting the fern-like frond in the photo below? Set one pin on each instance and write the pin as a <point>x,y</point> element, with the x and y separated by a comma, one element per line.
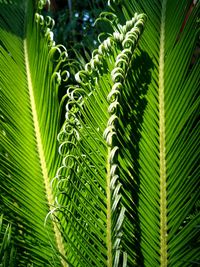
<point>148,164</point>
<point>29,109</point>
<point>166,145</point>
<point>126,193</point>
<point>88,183</point>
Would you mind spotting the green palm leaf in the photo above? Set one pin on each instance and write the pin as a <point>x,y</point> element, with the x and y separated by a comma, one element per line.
<point>148,162</point>
<point>126,192</point>
<point>88,185</point>
<point>168,174</point>
<point>29,108</point>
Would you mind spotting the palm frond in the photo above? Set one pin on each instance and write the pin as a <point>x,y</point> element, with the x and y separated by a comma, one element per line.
<point>88,186</point>
<point>151,137</point>
<point>167,140</point>
<point>30,78</point>
<point>126,193</point>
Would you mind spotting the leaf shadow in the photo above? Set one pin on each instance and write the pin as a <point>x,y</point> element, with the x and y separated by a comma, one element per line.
<point>133,104</point>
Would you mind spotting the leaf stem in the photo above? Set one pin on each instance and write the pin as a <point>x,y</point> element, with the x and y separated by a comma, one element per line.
<point>163,176</point>
<point>49,193</point>
<point>109,239</point>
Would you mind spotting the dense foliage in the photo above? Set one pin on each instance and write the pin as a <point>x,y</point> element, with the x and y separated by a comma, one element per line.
<point>116,183</point>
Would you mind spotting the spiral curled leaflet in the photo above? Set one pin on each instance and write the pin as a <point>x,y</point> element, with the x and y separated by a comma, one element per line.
<point>42,3</point>
<point>55,60</point>
<point>112,3</point>
<point>109,17</point>
<point>89,177</point>
<point>127,33</point>
<point>132,32</point>
<point>32,70</point>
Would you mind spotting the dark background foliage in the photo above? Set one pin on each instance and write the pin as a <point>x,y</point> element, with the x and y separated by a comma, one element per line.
<point>76,29</point>
<point>75,24</point>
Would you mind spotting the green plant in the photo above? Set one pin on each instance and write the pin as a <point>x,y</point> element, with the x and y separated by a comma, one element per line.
<point>121,187</point>
<point>29,126</point>
<point>7,250</point>
<point>74,22</point>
